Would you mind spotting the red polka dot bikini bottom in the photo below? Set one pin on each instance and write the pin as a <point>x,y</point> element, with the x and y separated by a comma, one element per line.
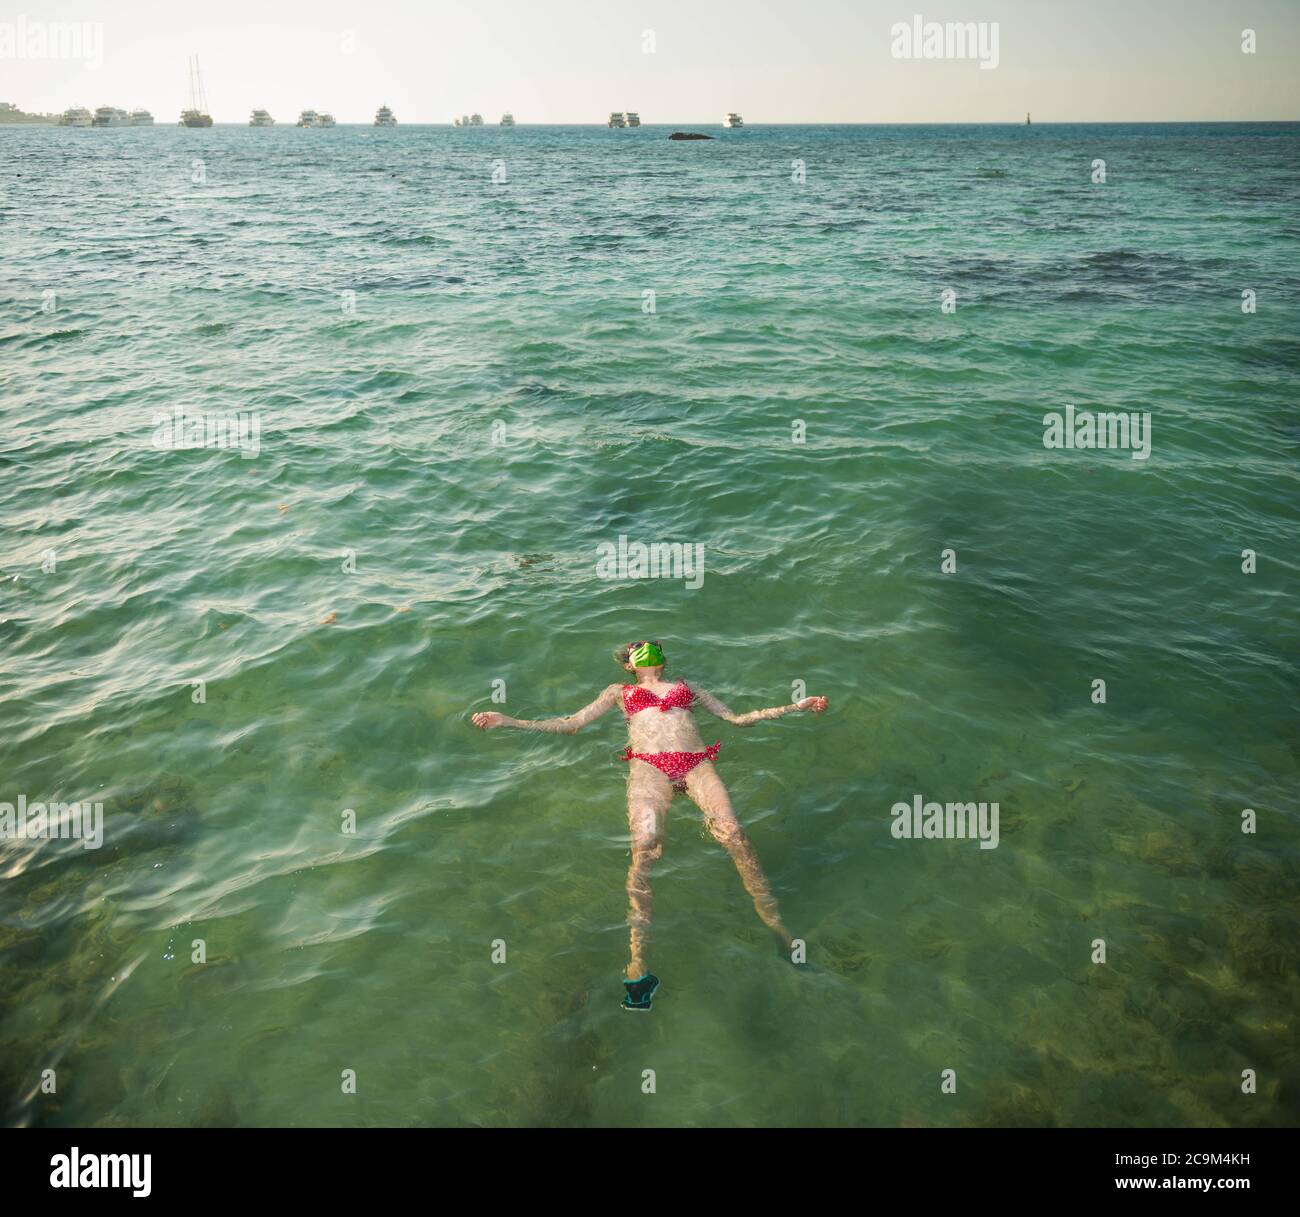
<point>676,765</point>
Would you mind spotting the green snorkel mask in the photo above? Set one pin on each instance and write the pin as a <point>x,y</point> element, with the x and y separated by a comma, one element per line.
<point>646,655</point>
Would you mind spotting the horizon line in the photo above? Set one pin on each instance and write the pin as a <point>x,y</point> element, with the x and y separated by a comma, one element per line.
<point>998,122</point>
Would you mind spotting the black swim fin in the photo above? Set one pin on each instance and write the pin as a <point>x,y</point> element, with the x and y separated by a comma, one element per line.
<point>640,993</point>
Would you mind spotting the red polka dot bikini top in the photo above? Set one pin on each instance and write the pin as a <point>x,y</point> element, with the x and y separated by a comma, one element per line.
<point>637,698</point>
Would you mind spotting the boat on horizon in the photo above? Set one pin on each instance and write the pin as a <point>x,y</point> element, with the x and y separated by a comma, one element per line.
<point>197,115</point>
<point>76,116</point>
<point>617,118</point>
<point>507,119</point>
<point>384,117</point>
<point>111,116</point>
<point>632,118</point>
<point>733,120</point>
<point>141,117</point>
<point>260,118</point>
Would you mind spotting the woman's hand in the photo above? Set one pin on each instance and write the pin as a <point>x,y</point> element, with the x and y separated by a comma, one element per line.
<point>487,719</point>
<point>814,704</point>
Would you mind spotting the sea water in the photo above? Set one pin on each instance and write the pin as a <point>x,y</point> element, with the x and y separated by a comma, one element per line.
<point>423,375</point>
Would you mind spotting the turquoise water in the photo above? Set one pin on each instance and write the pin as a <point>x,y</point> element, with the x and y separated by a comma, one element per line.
<point>497,406</point>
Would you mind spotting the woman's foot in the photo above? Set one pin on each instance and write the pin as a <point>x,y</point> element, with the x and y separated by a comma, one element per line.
<point>640,992</point>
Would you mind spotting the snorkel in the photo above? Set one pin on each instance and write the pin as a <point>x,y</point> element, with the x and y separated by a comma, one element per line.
<point>645,655</point>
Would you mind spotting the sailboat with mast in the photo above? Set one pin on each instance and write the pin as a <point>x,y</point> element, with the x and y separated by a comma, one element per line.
<point>197,115</point>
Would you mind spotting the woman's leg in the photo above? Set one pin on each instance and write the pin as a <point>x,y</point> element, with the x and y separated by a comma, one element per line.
<point>648,794</point>
<point>705,787</point>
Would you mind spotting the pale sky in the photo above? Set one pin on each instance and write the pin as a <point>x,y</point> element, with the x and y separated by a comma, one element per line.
<point>572,61</point>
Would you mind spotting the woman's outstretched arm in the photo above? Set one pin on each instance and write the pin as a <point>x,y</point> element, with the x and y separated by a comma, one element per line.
<point>814,705</point>
<point>608,699</point>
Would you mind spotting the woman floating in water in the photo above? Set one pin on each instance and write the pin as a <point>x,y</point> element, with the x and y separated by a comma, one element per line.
<point>666,753</point>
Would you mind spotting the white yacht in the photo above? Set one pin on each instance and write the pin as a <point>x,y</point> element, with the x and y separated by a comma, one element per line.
<point>384,117</point>
<point>507,120</point>
<point>463,121</point>
<point>733,120</point>
<point>197,115</point>
<point>260,118</point>
<point>141,118</point>
<point>324,120</point>
<point>633,118</point>
<point>476,120</point>
<point>77,116</point>
<point>308,118</point>
<point>111,116</point>
<point>616,119</point>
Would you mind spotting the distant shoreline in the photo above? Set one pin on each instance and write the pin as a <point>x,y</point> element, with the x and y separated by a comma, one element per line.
<point>37,121</point>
